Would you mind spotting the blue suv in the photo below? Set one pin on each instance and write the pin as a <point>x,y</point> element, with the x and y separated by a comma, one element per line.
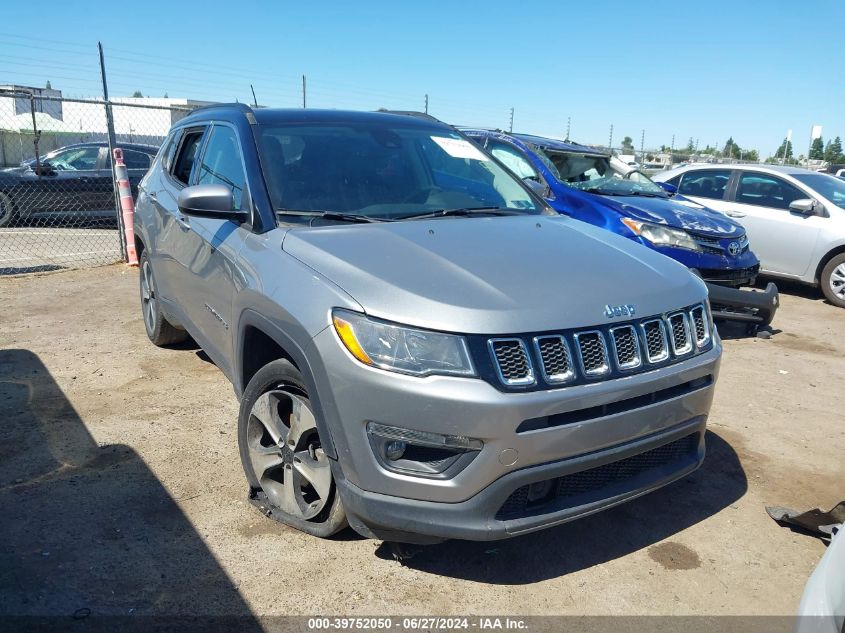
<point>592,186</point>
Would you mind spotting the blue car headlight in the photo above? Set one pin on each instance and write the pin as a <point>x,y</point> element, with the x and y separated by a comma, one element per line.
<point>661,235</point>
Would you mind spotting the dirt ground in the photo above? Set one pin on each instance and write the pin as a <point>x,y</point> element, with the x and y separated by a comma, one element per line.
<point>121,490</point>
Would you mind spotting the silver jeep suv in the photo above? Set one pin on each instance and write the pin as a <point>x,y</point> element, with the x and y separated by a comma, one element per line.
<point>422,348</point>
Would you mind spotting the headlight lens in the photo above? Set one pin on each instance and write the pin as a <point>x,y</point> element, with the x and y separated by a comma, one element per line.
<point>660,235</point>
<point>402,349</point>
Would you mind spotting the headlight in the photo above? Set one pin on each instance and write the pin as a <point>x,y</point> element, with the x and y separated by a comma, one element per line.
<point>660,235</point>
<point>403,349</point>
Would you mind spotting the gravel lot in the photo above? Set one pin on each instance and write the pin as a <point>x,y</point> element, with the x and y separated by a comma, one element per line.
<point>122,492</point>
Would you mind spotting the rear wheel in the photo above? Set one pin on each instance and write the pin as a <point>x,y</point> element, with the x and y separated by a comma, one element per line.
<point>833,280</point>
<point>7,209</point>
<point>159,329</point>
<point>288,471</point>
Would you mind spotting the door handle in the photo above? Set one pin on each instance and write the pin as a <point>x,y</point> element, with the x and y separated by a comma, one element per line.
<point>735,214</point>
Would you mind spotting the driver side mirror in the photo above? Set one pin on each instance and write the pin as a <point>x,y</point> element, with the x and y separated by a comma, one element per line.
<point>209,201</point>
<point>667,187</point>
<point>804,206</point>
<point>537,187</point>
<point>44,169</point>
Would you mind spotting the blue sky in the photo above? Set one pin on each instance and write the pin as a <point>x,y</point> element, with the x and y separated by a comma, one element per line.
<point>751,70</point>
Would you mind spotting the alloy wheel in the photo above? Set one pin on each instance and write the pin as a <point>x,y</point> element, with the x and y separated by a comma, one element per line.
<point>148,297</point>
<point>285,454</point>
<point>837,281</point>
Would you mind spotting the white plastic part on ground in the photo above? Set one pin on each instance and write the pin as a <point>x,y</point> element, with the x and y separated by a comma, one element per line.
<point>822,608</point>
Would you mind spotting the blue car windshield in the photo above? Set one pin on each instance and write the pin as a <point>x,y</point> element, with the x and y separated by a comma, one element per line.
<point>831,188</point>
<point>384,171</point>
<point>600,174</point>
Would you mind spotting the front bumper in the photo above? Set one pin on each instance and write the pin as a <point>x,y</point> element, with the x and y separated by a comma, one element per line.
<point>650,405</point>
<point>619,474</point>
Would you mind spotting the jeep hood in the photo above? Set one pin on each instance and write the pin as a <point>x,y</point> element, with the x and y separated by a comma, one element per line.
<point>493,275</point>
<point>677,212</point>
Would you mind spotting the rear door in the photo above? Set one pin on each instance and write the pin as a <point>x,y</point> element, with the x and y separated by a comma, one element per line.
<point>783,240</point>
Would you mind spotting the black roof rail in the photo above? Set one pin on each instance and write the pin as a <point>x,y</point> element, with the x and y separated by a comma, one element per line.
<point>413,113</point>
<point>243,107</point>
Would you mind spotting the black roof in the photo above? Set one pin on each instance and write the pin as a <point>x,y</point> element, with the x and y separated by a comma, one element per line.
<point>307,115</point>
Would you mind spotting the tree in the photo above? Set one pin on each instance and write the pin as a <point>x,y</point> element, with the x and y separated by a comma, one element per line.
<point>628,145</point>
<point>732,150</point>
<point>137,94</point>
<point>48,86</point>
<point>165,95</point>
<point>690,146</point>
<point>750,155</point>
<point>833,151</point>
<point>817,149</point>
<point>785,150</point>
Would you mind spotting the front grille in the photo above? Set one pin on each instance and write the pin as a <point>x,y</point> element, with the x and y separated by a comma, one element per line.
<point>719,246</point>
<point>512,361</point>
<point>525,500</point>
<point>656,344</point>
<point>593,353</point>
<point>626,347</point>
<point>681,341</point>
<point>699,325</point>
<point>555,359</point>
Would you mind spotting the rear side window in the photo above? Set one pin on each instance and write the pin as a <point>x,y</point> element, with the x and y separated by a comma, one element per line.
<point>710,183</point>
<point>766,191</point>
<point>186,155</point>
<point>221,162</point>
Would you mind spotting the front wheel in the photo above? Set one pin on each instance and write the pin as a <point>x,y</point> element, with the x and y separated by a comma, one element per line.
<point>7,209</point>
<point>289,473</point>
<point>833,280</point>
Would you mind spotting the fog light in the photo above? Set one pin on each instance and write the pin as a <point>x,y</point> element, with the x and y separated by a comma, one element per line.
<point>394,450</point>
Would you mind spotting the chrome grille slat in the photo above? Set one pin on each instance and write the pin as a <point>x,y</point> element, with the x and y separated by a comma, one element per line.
<point>700,327</point>
<point>656,344</point>
<point>626,347</point>
<point>513,363</point>
<point>592,352</point>
<point>555,359</point>
<point>679,333</point>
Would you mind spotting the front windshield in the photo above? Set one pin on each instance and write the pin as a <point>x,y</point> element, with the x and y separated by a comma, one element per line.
<point>831,188</point>
<point>597,174</point>
<point>383,171</point>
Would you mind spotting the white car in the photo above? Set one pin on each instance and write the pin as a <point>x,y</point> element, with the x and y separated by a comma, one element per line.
<point>795,218</point>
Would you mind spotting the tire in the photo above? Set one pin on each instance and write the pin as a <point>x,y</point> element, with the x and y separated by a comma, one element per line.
<point>7,209</point>
<point>290,476</point>
<point>833,280</point>
<point>159,329</point>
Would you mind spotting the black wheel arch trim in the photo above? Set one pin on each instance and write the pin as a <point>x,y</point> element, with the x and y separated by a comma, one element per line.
<point>250,318</point>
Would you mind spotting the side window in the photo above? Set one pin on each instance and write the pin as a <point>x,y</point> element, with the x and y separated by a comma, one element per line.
<point>136,160</point>
<point>181,169</point>
<point>766,191</point>
<point>221,162</point>
<point>169,150</point>
<point>705,183</point>
<point>76,159</point>
<point>513,159</point>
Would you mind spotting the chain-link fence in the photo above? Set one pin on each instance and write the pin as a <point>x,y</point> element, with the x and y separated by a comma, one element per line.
<point>57,199</point>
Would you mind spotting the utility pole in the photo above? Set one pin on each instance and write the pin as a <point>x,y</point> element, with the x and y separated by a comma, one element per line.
<point>510,128</point>
<point>426,103</point>
<point>642,148</point>
<point>672,149</point>
<point>696,147</point>
<point>610,142</point>
<point>568,123</point>
<point>254,100</point>
<point>112,142</point>
<point>303,92</point>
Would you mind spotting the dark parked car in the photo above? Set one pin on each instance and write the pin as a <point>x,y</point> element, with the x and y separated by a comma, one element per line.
<point>72,179</point>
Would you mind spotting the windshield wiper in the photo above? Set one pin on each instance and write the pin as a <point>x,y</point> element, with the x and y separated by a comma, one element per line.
<point>442,213</point>
<point>332,215</point>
